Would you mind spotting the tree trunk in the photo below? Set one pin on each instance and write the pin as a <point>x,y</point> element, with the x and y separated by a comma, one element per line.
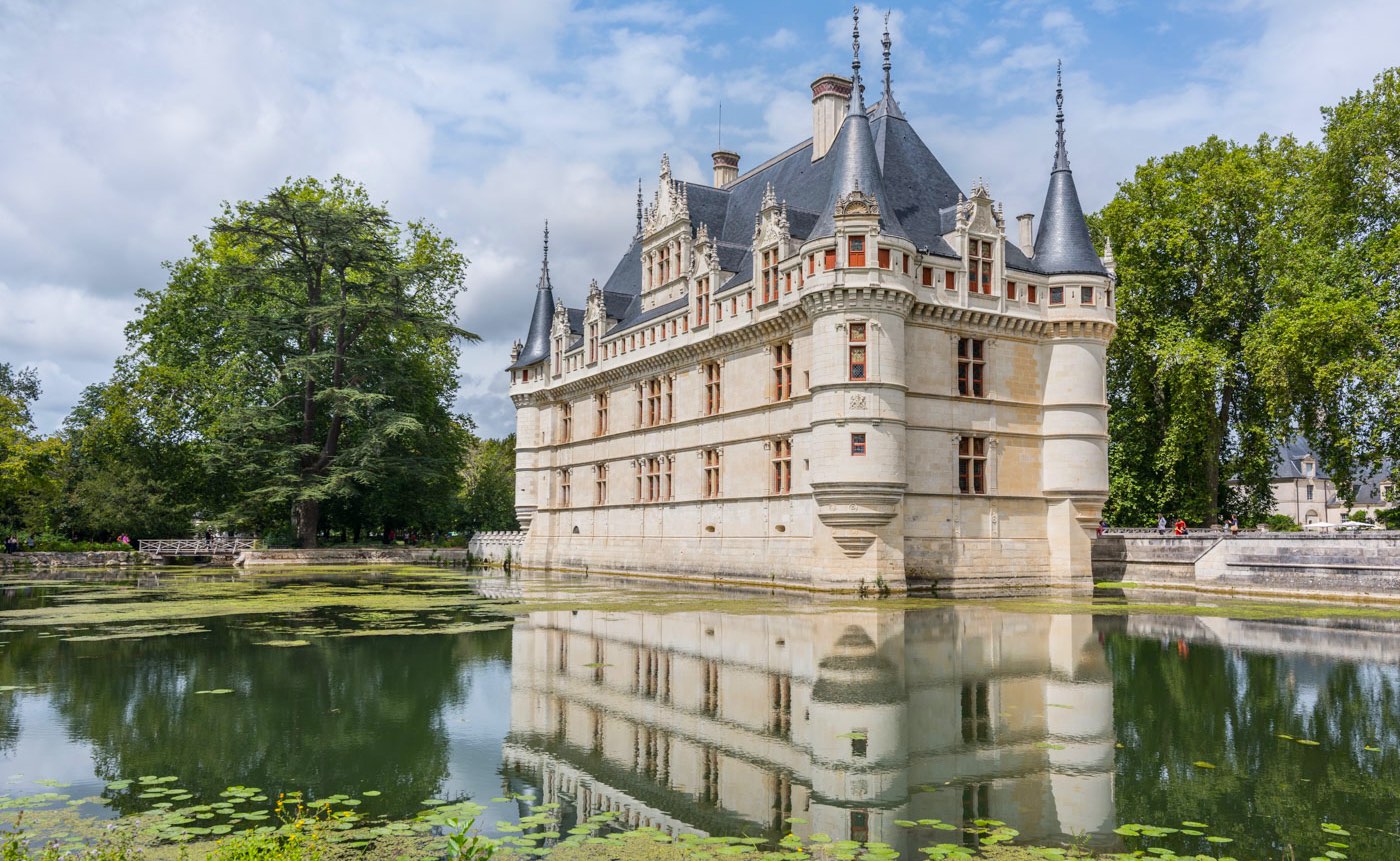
<point>306,518</point>
<point>1217,449</point>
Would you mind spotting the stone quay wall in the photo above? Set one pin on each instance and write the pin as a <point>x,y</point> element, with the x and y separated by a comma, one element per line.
<point>88,559</point>
<point>495,548</point>
<point>1358,566</point>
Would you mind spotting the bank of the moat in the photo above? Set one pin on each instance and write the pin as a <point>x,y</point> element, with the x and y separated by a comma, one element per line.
<point>700,712</point>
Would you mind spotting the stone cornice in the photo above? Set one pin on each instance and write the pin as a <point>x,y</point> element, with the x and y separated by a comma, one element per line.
<point>1088,330</point>
<point>982,319</point>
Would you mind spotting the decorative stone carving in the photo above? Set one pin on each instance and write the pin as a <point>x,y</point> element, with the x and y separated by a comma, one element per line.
<point>858,401</point>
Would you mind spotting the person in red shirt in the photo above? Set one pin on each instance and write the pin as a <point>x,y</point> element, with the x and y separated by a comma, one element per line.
<point>1180,528</point>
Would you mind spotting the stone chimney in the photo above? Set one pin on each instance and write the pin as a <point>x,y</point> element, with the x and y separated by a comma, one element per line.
<point>1027,242</point>
<point>726,167</point>
<point>830,97</point>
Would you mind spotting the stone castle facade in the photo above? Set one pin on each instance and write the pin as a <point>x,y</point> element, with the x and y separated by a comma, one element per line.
<point>831,370</point>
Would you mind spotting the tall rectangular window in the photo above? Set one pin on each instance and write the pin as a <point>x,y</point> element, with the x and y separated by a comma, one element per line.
<point>787,281</point>
<point>1086,295</point>
<point>950,280</point>
<point>600,484</point>
<point>972,465</point>
<point>592,343</point>
<point>855,250</point>
<point>665,263</point>
<point>1057,296</point>
<point>711,473</point>
<point>782,371</point>
<point>653,490</point>
<point>770,275</point>
<point>883,256</point>
<point>782,466</point>
<point>566,422</point>
<point>668,399</point>
<point>857,445</point>
<point>926,276</point>
<point>976,712</point>
<point>972,368</point>
<point>712,389</point>
<point>641,405</point>
<point>1032,294</point>
<point>1011,290</point>
<point>855,334</point>
<point>564,477</point>
<point>979,266</point>
<point>653,402</point>
<point>600,407</point>
<point>829,260</point>
<point>640,494</point>
<point>702,300</point>
<point>667,487</point>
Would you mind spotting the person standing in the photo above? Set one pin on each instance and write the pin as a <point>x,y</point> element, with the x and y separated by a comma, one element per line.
<point>1161,524</point>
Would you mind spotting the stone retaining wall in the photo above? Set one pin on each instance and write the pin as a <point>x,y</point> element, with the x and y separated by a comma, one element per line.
<point>88,559</point>
<point>494,548</point>
<point>1361,565</point>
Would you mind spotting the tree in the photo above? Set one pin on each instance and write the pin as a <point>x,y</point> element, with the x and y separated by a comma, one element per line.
<point>1199,237</point>
<point>488,498</point>
<point>1331,343</point>
<point>300,346</point>
<point>120,475</point>
<point>28,460</point>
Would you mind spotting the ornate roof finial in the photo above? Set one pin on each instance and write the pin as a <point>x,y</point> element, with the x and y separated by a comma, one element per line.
<point>639,206</point>
<point>1061,152</point>
<point>546,243</point>
<point>885,43</point>
<point>857,88</point>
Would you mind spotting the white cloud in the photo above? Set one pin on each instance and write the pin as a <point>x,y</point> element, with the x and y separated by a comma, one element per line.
<point>780,40</point>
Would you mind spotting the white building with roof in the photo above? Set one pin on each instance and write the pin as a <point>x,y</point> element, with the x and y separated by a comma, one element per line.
<point>833,369</point>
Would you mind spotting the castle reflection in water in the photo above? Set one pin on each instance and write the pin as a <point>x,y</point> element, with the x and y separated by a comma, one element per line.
<point>725,724</point>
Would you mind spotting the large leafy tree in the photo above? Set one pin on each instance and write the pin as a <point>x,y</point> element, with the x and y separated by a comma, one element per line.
<point>1331,343</point>
<point>1199,236</point>
<point>304,346</point>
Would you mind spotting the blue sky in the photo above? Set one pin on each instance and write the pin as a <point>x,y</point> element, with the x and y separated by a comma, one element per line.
<point>126,123</point>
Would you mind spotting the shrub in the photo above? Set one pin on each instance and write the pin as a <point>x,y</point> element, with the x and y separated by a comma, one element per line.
<point>1281,523</point>
<point>1389,518</point>
<point>1358,516</point>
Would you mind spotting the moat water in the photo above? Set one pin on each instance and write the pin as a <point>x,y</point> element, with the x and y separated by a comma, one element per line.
<point>723,713</point>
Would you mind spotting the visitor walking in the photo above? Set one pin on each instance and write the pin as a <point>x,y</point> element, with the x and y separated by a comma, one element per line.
<point>1161,524</point>
<point>1233,524</point>
<point>1103,527</point>
<point>12,544</point>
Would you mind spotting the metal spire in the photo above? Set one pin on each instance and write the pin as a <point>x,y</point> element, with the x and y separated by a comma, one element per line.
<point>1061,153</point>
<point>639,206</point>
<point>857,88</point>
<point>885,43</point>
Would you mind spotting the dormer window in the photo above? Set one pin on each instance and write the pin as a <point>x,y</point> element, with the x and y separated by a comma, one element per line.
<point>979,266</point>
<point>702,301</point>
<point>855,251</point>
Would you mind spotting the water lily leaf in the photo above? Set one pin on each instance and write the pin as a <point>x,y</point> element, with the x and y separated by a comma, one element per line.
<point>285,644</point>
<point>1308,742</point>
<point>1201,763</point>
<point>1195,825</point>
<point>371,793</point>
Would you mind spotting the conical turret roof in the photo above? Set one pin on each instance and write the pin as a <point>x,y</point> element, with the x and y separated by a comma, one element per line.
<point>1062,244</point>
<point>855,164</point>
<point>536,347</point>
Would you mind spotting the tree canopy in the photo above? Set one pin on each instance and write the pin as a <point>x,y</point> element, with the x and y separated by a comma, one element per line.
<point>306,351</point>
<point>1201,237</point>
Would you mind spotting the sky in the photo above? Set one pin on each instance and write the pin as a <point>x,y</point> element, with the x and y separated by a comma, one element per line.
<point>125,123</point>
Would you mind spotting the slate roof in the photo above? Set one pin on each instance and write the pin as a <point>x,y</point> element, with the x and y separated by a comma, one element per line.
<point>882,151</point>
<point>536,347</point>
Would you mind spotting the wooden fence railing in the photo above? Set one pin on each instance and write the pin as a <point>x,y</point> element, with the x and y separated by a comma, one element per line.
<point>194,546</point>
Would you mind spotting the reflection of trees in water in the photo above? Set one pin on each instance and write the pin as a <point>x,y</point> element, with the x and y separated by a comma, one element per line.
<point>342,715</point>
<point>1176,705</point>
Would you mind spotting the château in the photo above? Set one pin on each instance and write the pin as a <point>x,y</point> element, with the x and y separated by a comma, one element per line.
<point>831,370</point>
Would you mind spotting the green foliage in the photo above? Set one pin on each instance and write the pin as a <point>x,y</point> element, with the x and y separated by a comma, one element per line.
<point>488,493</point>
<point>1389,518</point>
<point>28,460</point>
<point>1199,237</point>
<point>306,354</point>
<point>1281,523</point>
<point>1329,348</point>
<point>1358,517</point>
